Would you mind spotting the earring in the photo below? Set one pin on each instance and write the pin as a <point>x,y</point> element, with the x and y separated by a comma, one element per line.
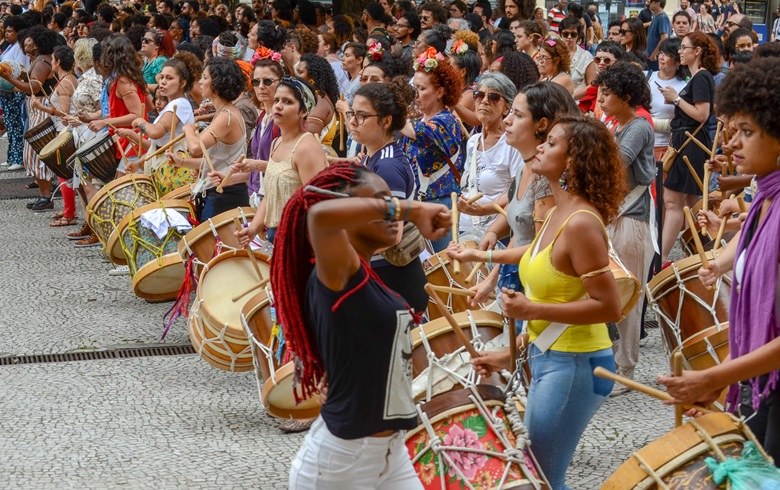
<point>563,180</point>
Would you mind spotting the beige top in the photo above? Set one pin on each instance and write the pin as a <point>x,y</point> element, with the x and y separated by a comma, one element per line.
<point>222,155</point>
<point>280,181</point>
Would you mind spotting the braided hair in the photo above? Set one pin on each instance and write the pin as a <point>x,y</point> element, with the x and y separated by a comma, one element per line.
<point>292,264</point>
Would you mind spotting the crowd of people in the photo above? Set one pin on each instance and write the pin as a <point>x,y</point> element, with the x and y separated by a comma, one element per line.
<point>339,127</point>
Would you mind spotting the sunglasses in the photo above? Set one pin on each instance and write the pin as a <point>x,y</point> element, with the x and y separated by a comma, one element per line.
<point>265,81</point>
<point>425,17</point>
<point>144,40</point>
<point>623,32</point>
<point>599,60</point>
<point>492,97</point>
<point>569,34</point>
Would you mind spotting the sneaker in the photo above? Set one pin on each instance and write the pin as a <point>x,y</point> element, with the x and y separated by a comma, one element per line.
<point>620,389</point>
<point>120,270</point>
<point>83,233</point>
<point>291,426</point>
<point>91,241</point>
<point>32,185</point>
<point>33,203</point>
<point>15,166</point>
<point>43,204</point>
<point>4,167</point>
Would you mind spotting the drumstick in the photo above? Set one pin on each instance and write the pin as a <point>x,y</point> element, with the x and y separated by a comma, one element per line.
<point>227,176</point>
<point>499,209</point>
<point>512,345</point>
<point>476,197</point>
<point>642,388</point>
<point>696,240</point>
<point>173,123</point>
<point>205,153</point>
<point>253,288</point>
<point>677,370</point>
<point>455,218</point>
<point>706,190</point>
<point>342,129</point>
<point>723,220</point>
<point>451,320</point>
<point>693,173</point>
<point>115,137</point>
<point>471,275</point>
<point>741,204</point>
<point>251,254</point>
<point>163,148</point>
<point>698,143</point>
<point>461,292</point>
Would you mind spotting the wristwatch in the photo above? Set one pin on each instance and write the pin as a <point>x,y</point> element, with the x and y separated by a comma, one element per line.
<point>676,101</point>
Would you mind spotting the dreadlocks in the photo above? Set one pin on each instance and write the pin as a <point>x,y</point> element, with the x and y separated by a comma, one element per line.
<point>291,266</point>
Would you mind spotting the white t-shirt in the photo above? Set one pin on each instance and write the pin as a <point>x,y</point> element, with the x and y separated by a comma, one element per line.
<point>660,109</point>
<point>184,115</point>
<point>579,65</point>
<point>496,169</point>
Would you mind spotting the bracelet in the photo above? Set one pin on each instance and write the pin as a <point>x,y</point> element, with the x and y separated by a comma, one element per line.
<point>407,211</point>
<point>142,127</point>
<point>390,213</point>
<point>397,215</point>
<point>489,260</point>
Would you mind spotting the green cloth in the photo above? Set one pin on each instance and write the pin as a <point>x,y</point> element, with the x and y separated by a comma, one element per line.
<point>152,68</point>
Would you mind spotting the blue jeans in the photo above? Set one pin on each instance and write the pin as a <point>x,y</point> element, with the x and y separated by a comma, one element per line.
<point>443,242</point>
<point>563,397</point>
<point>270,234</point>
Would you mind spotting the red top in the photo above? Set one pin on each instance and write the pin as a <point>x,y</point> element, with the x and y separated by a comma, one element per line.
<point>117,108</point>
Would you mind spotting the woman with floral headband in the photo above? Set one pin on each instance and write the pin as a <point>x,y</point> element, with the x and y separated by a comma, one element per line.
<point>435,142</point>
<point>469,64</point>
<point>554,62</point>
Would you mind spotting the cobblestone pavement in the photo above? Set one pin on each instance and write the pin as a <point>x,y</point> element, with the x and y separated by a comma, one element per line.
<point>170,422</point>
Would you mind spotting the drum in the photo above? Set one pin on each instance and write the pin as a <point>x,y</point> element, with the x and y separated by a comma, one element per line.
<point>208,239</point>
<point>707,240</point>
<point>440,272</point>
<point>182,192</point>
<point>676,460</point>
<point>14,68</point>
<point>168,178</point>
<point>449,366</point>
<point>98,157</point>
<point>706,349</point>
<point>683,306</point>
<point>40,135</point>
<point>627,285</point>
<point>112,203</point>
<point>57,152</point>
<point>155,264</point>
<point>258,319</point>
<point>278,399</point>
<point>474,419</point>
<point>217,332</point>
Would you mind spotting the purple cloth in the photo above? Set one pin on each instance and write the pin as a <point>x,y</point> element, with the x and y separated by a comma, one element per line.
<point>753,318</point>
<point>260,145</point>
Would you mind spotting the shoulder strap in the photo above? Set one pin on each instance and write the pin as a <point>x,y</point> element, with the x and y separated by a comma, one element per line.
<point>295,146</point>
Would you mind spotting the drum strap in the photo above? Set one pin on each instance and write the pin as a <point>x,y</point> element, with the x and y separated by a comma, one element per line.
<point>549,335</point>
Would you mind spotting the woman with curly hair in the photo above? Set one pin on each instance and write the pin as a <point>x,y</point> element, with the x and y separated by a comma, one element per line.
<point>468,63</point>
<point>623,90</point>
<point>693,107</point>
<point>520,68</point>
<point>554,62</point>
<point>322,121</point>
<point>224,139</point>
<point>570,294</point>
<point>38,44</point>
<point>748,97</point>
<point>156,47</point>
<point>434,142</point>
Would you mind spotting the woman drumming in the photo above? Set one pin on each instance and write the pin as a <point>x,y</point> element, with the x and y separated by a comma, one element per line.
<point>324,290</point>
<point>491,163</point>
<point>224,139</point>
<point>295,157</point>
<point>692,108</point>
<point>378,112</point>
<point>748,97</point>
<point>58,107</point>
<point>434,142</point>
<point>530,199</point>
<point>569,291</point>
<point>554,62</point>
<point>38,43</point>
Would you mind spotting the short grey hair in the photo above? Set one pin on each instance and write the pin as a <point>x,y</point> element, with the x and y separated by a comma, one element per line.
<point>500,83</point>
<point>459,24</point>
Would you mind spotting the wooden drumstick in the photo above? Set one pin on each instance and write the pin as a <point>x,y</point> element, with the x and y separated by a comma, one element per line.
<point>476,197</point>
<point>693,173</point>
<point>451,320</point>
<point>705,206</point>
<point>723,220</point>
<point>248,248</point>
<point>698,143</point>
<point>455,218</point>
<point>173,122</point>
<point>677,370</point>
<point>342,129</point>
<point>471,275</point>
<point>205,154</point>
<point>461,292</point>
<point>642,388</point>
<point>228,174</point>
<point>512,345</point>
<point>741,204</point>
<point>253,288</point>
<point>163,148</point>
<point>499,209</point>
<point>696,240</point>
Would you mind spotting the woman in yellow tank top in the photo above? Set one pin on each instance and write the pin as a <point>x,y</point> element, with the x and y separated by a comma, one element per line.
<point>569,292</point>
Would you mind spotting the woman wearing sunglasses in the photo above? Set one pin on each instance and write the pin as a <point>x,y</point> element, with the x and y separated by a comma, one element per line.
<point>156,47</point>
<point>607,54</point>
<point>633,37</point>
<point>491,164</point>
<point>583,70</point>
<point>670,74</point>
<point>554,62</point>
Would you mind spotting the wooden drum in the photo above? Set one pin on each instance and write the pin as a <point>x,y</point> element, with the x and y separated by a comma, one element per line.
<point>440,272</point>
<point>208,239</point>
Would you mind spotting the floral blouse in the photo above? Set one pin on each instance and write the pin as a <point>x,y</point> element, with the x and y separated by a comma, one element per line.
<point>86,97</point>
<point>442,133</point>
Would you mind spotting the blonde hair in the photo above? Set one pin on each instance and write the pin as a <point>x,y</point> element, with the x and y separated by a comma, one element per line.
<point>82,53</point>
<point>470,38</point>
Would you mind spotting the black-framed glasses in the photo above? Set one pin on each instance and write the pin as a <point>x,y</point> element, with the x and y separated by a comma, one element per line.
<point>603,59</point>
<point>146,40</point>
<point>360,117</point>
<point>623,32</point>
<point>569,34</point>
<point>425,17</point>
<point>492,97</point>
<point>265,81</point>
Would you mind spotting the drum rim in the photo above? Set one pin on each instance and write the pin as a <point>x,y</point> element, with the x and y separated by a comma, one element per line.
<point>103,193</point>
<point>113,244</point>
<point>85,147</point>
<point>204,229</point>
<point>65,135</point>
<point>440,325</point>
<point>722,328</point>
<point>244,358</point>
<point>443,259</point>
<point>256,303</point>
<point>287,370</point>
<point>683,266</point>
<point>145,272</point>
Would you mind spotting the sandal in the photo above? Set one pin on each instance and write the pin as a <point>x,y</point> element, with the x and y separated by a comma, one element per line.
<point>63,221</point>
<point>57,216</point>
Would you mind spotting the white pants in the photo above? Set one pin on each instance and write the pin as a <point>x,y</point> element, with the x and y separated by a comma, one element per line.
<point>328,462</point>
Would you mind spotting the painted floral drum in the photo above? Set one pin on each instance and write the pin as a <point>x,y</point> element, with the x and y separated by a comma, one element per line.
<point>467,449</point>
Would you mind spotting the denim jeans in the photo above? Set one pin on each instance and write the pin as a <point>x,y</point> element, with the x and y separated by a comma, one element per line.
<point>563,397</point>
<point>443,242</point>
<point>328,462</point>
<point>233,196</point>
<point>270,234</point>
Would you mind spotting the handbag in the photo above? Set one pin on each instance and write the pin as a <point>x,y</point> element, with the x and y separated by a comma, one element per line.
<point>408,249</point>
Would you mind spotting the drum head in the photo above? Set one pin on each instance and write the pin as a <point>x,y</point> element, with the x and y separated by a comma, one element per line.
<point>52,146</point>
<point>159,280</point>
<point>201,241</point>
<point>278,398</point>
<point>96,141</point>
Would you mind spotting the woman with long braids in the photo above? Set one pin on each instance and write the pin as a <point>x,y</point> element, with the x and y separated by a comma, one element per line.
<point>325,290</point>
<point>38,43</point>
<point>569,292</point>
<point>322,121</point>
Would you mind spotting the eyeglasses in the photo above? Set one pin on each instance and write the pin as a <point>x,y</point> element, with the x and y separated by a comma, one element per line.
<point>569,34</point>
<point>542,58</point>
<point>685,47</point>
<point>360,117</point>
<point>492,97</point>
<point>146,40</point>
<point>425,17</point>
<point>623,32</point>
<point>265,81</point>
<point>603,59</point>
<point>731,23</point>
